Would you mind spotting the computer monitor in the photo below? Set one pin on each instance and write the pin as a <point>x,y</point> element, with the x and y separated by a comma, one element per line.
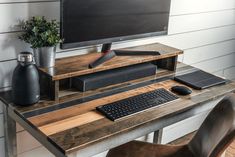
<point>92,22</point>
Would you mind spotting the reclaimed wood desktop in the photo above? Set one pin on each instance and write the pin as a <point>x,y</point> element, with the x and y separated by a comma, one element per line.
<point>70,126</point>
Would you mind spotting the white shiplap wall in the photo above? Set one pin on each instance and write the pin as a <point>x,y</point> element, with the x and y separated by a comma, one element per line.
<point>204,29</point>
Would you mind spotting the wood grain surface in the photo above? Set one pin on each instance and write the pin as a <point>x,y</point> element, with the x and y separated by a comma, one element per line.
<point>78,65</point>
<point>69,112</point>
<point>44,104</point>
<point>72,123</point>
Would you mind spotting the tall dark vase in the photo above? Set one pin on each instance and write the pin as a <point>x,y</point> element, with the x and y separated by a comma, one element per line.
<point>25,81</point>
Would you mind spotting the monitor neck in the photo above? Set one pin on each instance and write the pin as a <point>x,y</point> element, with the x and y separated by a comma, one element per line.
<point>106,47</point>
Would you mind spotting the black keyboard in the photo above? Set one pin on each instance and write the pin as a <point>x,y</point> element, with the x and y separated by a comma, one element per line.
<point>136,104</point>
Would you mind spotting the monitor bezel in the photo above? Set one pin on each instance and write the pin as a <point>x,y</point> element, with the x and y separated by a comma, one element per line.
<point>106,40</point>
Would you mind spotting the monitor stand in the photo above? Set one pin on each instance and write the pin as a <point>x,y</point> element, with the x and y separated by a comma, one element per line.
<point>108,54</point>
<point>106,47</point>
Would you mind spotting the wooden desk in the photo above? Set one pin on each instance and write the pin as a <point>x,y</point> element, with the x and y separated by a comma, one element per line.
<point>65,127</point>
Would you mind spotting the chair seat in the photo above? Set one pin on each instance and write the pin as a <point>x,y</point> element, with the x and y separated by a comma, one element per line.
<point>143,149</point>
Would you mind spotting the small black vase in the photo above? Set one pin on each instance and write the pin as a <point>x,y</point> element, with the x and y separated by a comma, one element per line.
<point>25,81</point>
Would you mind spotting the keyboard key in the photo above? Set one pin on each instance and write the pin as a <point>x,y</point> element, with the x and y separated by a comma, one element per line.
<point>135,104</point>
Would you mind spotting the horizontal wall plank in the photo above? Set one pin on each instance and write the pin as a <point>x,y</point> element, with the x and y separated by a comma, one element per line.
<point>229,73</point>
<point>201,21</point>
<point>74,52</point>
<point>38,152</point>
<point>182,41</point>
<point>182,128</point>
<point>2,147</point>
<point>188,40</point>
<point>195,6</point>
<point>11,46</point>
<point>25,142</point>
<point>199,54</point>
<point>199,38</point>
<point>51,10</point>
<point>6,71</point>
<point>12,14</point>
<point>217,64</point>
<point>178,6</point>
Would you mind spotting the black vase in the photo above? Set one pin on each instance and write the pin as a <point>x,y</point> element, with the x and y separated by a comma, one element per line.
<point>25,81</point>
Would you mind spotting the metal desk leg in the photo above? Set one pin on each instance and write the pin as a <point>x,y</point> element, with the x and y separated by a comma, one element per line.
<point>10,135</point>
<point>157,137</point>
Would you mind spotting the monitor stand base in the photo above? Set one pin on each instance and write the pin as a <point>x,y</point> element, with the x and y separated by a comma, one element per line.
<point>106,47</point>
<point>105,57</point>
<point>109,54</point>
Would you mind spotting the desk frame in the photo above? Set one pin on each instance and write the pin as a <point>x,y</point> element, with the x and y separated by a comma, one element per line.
<point>10,134</point>
<point>10,119</point>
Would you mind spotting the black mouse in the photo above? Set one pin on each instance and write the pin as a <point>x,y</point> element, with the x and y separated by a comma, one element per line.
<point>181,90</point>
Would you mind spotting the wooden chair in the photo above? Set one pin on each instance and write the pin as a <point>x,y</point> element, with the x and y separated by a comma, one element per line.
<point>212,138</point>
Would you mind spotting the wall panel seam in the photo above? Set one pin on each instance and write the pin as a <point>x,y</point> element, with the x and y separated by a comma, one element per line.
<point>22,2</point>
<point>209,44</point>
<point>199,30</point>
<point>82,48</point>
<point>171,15</point>
<point>213,59</point>
<point>8,60</point>
<point>10,32</point>
<point>229,67</point>
<point>77,49</point>
<point>204,12</point>
<point>169,34</point>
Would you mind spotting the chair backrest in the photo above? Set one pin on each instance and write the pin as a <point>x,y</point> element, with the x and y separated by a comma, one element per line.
<point>217,131</point>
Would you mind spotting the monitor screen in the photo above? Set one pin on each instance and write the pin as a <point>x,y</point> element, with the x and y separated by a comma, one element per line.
<point>88,22</point>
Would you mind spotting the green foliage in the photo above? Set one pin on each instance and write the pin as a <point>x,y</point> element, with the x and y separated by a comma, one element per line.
<point>40,33</point>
